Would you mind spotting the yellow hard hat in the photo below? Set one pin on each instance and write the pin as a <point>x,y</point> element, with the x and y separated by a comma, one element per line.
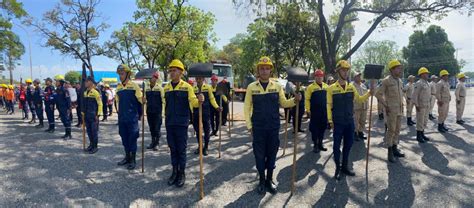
<point>107,85</point>
<point>123,67</point>
<point>265,61</point>
<point>393,63</point>
<point>11,87</point>
<point>423,70</point>
<point>461,75</point>
<point>3,85</point>
<point>176,63</point>
<point>59,77</point>
<point>343,64</point>
<point>28,81</point>
<point>443,72</point>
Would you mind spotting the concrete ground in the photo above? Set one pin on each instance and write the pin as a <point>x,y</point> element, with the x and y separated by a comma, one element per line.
<point>39,169</point>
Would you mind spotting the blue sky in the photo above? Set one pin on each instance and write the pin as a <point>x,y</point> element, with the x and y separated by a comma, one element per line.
<point>47,62</point>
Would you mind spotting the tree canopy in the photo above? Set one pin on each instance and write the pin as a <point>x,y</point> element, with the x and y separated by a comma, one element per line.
<point>431,49</point>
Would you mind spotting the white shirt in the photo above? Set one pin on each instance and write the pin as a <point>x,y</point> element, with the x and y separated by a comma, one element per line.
<point>72,94</point>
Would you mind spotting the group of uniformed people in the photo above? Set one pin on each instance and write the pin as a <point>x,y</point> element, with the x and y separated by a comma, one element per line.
<point>341,105</point>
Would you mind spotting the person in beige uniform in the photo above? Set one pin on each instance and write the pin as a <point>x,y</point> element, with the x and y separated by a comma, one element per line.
<point>360,109</point>
<point>421,99</point>
<point>443,96</point>
<point>460,98</point>
<point>408,90</point>
<point>390,95</point>
<point>434,80</point>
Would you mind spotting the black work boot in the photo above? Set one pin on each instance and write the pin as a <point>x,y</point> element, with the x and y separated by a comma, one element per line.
<point>261,184</point>
<point>88,148</point>
<point>181,179</point>
<point>172,178</point>
<point>133,163</point>
<point>410,122</point>
<point>337,174</point>
<point>316,147</point>
<point>444,127</point>
<point>419,137</point>
<point>424,137</point>
<point>397,152</point>
<point>40,125</point>
<point>441,129</point>
<point>125,160</point>
<point>390,157</point>
<point>152,144</point>
<point>94,149</point>
<point>380,116</point>
<point>33,120</point>
<point>345,169</point>
<point>67,134</point>
<point>431,117</point>
<point>321,145</point>
<point>271,187</point>
<point>362,136</point>
<point>204,150</point>
<point>356,136</point>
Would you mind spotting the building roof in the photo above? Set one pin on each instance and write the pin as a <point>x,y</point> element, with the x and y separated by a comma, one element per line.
<point>107,75</point>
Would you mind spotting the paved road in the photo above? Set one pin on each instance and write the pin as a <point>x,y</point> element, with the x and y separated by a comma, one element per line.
<point>40,170</point>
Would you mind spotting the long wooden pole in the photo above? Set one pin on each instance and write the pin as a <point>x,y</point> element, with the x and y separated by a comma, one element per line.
<point>368,133</point>
<point>201,175</point>
<point>143,128</point>
<point>232,108</point>
<point>220,123</point>
<point>295,139</point>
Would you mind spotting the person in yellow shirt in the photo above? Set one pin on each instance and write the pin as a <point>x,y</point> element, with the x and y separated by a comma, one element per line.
<point>209,102</point>
<point>263,100</point>
<point>179,97</point>
<point>92,110</point>
<point>340,104</point>
<point>315,105</point>
<point>129,99</point>
<point>155,97</point>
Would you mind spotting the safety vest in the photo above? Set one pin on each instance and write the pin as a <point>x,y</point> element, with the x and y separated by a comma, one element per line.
<point>92,104</point>
<point>129,99</point>
<point>316,103</point>
<point>340,101</point>
<point>209,100</point>
<point>178,101</point>
<point>155,98</point>
<point>261,106</point>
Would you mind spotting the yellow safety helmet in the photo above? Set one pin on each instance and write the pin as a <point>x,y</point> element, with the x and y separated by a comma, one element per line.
<point>176,63</point>
<point>107,85</point>
<point>343,64</point>
<point>265,61</point>
<point>461,75</point>
<point>393,63</point>
<point>59,77</point>
<point>443,72</point>
<point>423,70</point>
<point>3,85</point>
<point>123,67</point>
<point>11,87</point>
<point>28,81</point>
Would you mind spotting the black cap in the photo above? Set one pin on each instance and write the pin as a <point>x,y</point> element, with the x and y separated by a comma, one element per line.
<point>48,79</point>
<point>89,78</point>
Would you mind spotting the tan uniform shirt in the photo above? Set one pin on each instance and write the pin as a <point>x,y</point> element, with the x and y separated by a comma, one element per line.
<point>442,91</point>
<point>433,88</point>
<point>408,89</point>
<point>390,94</point>
<point>361,89</point>
<point>460,91</point>
<point>421,94</point>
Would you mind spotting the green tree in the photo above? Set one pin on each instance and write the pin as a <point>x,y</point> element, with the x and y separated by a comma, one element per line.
<point>122,49</point>
<point>164,30</point>
<point>73,28</point>
<point>384,12</point>
<point>376,52</point>
<point>73,77</point>
<point>431,49</point>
